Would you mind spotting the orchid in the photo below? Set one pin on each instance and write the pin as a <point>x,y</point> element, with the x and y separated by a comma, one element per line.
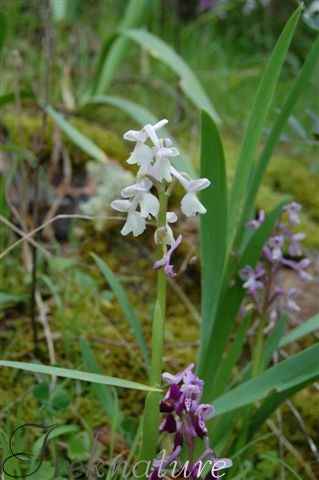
<point>185,418</point>
<point>262,282</point>
<point>142,200</point>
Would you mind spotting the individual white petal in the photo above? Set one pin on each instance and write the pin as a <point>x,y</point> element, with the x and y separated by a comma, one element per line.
<point>161,170</point>
<point>169,235</point>
<point>198,184</point>
<point>135,223</point>
<point>180,178</point>
<point>191,206</point>
<point>160,124</point>
<point>142,155</point>
<point>135,136</point>
<point>121,205</point>
<point>171,217</point>
<point>140,187</point>
<point>149,205</point>
<point>150,130</point>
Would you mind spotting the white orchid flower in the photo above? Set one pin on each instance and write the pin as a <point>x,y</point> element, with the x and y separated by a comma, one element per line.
<point>171,217</point>
<point>143,155</point>
<point>149,204</point>
<point>135,222</point>
<point>161,169</point>
<point>190,204</point>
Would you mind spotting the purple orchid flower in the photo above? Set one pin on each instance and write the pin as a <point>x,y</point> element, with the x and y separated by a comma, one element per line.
<point>165,261</point>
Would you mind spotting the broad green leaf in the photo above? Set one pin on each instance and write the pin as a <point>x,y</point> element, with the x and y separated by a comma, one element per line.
<point>188,80</point>
<point>78,375</point>
<point>299,87</point>
<point>256,121</point>
<point>229,304</point>
<point>143,116</point>
<point>295,371</point>
<point>213,225</point>
<point>77,137</point>
<point>125,304</point>
<point>115,49</point>
<point>309,326</point>
<point>102,392</point>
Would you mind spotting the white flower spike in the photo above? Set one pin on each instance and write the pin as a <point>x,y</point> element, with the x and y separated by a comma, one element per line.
<point>152,154</point>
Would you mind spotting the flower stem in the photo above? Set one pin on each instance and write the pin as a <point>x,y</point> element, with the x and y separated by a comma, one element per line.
<point>151,416</point>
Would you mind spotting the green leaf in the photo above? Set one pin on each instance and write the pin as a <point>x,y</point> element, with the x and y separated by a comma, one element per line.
<point>102,392</point>
<point>11,96</point>
<point>213,225</point>
<point>303,329</point>
<point>77,137</point>
<point>293,95</point>
<point>42,391</point>
<point>295,371</point>
<point>78,375</point>
<point>224,372</point>
<point>125,304</point>
<point>259,112</point>
<point>188,80</point>
<point>115,49</point>
<point>143,116</point>
<point>229,303</point>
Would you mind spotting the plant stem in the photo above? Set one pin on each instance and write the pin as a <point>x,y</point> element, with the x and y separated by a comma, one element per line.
<point>151,416</point>
<point>257,362</point>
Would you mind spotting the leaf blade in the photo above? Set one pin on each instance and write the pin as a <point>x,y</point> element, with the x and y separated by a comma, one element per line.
<point>188,80</point>
<point>125,304</point>
<point>78,375</point>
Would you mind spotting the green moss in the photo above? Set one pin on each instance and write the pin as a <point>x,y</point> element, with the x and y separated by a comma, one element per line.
<point>24,131</point>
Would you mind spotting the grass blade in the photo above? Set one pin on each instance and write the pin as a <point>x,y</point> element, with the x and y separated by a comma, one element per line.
<point>115,49</point>
<point>295,371</point>
<point>305,328</point>
<point>294,93</point>
<point>77,137</point>
<point>188,80</point>
<point>229,305</point>
<point>78,375</point>
<point>260,110</point>
<point>125,304</point>
<point>102,392</point>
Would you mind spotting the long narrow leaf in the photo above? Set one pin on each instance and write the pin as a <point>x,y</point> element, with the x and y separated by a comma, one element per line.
<point>77,137</point>
<point>229,304</point>
<point>213,225</point>
<point>295,371</point>
<point>77,375</point>
<point>115,49</point>
<point>295,92</point>
<point>188,80</point>
<point>143,116</point>
<point>309,326</point>
<point>260,110</point>
<point>102,392</point>
<point>125,305</point>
